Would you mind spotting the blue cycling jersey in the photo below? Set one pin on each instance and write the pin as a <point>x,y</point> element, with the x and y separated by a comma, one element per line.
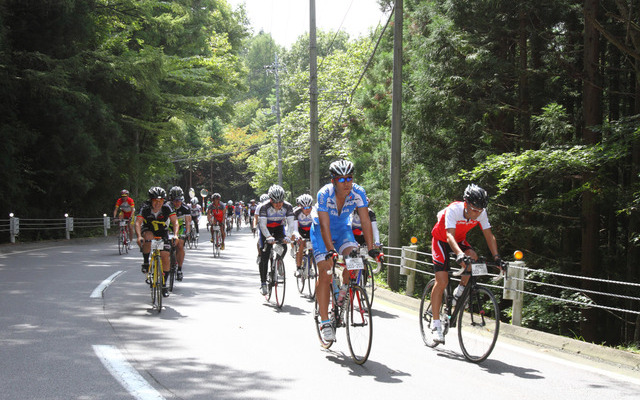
<point>327,202</point>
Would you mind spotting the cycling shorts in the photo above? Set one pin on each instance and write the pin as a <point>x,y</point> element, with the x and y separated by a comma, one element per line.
<point>342,238</point>
<point>440,253</point>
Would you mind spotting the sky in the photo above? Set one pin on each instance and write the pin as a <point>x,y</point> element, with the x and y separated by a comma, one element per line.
<point>288,19</point>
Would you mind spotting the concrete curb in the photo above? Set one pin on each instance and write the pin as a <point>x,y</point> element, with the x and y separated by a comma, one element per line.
<point>620,358</point>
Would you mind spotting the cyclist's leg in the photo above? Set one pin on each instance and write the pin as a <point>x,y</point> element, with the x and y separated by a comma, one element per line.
<point>147,234</point>
<point>323,285</point>
<point>345,243</point>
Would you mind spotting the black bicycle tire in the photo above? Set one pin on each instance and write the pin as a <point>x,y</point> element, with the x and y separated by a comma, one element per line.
<point>300,279</point>
<point>312,282</point>
<point>473,298</point>
<point>318,321</point>
<point>360,295</point>
<point>369,282</point>
<point>151,280</point>
<point>425,316</point>
<point>120,242</point>
<point>280,283</point>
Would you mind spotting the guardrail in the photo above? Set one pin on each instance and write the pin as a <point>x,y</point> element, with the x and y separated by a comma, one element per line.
<point>14,225</point>
<point>411,261</point>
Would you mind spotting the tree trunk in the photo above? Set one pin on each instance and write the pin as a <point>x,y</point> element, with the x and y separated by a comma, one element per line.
<point>592,108</point>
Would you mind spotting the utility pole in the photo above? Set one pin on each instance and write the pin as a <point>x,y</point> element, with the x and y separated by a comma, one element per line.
<point>276,68</point>
<point>393,278</point>
<point>314,156</point>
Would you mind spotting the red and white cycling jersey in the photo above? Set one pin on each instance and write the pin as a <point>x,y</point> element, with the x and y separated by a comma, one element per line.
<point>453,217</point>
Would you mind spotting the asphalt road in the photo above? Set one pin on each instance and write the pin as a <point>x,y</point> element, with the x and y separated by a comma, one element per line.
<point>217,338</point>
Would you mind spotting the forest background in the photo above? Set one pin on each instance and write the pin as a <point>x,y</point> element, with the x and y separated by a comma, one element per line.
<point>538,101</point>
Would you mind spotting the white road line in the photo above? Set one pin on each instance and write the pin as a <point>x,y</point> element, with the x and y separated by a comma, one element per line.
<point>97,292</point>
<point>129,378</point>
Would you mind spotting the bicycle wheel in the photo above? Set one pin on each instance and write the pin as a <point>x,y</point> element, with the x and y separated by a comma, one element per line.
<point>312,275</point>
<point>359,324</point>
<point>120,242</point>
<point>151,279</point>
<point>318,320</point>
<point>194,240</point>
<point>426,314</point>
<point>478,324</point>
<point>280,282</point>
<point>127,241</point>
<point>302,276</point>
<point>367,280</point>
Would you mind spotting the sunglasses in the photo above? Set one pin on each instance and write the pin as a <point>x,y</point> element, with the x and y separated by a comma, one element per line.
<point>344,179</point>
<point>306,208</point>
<point>477,210</point>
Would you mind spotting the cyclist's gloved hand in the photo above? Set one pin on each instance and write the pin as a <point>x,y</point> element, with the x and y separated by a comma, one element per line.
<point>460,258</point>
<point>271,239</point>
<point>331,254</point>
<point>286,240</point>
<point>378,244</point>
<point>374,253</point>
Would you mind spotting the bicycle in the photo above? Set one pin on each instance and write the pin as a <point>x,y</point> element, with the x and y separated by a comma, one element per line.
<point>155,277</point>
<point>309,271</point>
<point>229,225</point>
<point>354,313</point>
<point>192,237</point>
<point>476,313</point>
<point>253,227</point>
<point>238,222</point>
<point>216,237</point>
<point>276,279</point>
<point>124,241</point>
<point>367,281</point>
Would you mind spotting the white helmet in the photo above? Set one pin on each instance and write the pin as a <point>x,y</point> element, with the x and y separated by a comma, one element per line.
<point>230,202</point>
<point>276,193</point>
<point>341,168</point>
<point>305,200</point>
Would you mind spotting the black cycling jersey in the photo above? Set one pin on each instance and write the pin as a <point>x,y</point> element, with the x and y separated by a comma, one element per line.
<point>156,222</point>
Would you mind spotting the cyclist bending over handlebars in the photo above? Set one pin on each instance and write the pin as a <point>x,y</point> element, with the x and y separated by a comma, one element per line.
<point>152,222</point>
<point>450,235</point>
<point>271,219</point>
<point>331,230</point>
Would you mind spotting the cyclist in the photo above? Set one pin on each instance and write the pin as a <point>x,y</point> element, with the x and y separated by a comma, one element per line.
<point>237,212</point>
<point>274,213</point>
<point>252,209</point>
<point>215,215</point>
<point>152,222</point>
<point>302,227</point>
<point>356,226</point>
<point>331,230</point>
<point>183,214</point>
<point>127,209</point>
<point>449,235</point>
<point>229,208</point>
<point>196,211</point>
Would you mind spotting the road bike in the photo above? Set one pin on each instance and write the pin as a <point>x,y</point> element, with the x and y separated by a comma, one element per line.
<point>216,238</point>
<point>254,229</point>
<point>276,279</point>
<point>354,313</point>
<point>155,277</point>
<point>124,241</point>
<point>192,237</point>
<point>476,313</point>
<point>309,270</point>
<point>229,225</point>
<point>366,278</point>
<point>238,221</point>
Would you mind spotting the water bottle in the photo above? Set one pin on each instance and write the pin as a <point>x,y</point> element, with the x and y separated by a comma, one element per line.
<point>457,293</point>
<point>336,291</point>
<point>342,294</point>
